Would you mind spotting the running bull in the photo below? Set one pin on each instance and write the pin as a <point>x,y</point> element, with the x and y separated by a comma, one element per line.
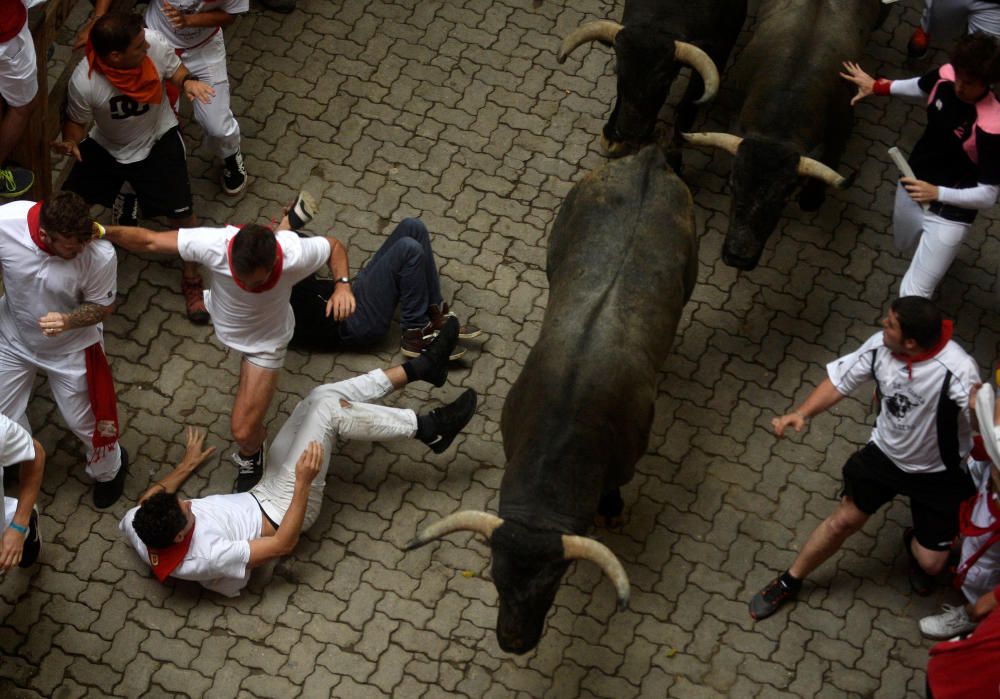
<point>654,39</point>
<point>796,114</point>
<point>622,261</point>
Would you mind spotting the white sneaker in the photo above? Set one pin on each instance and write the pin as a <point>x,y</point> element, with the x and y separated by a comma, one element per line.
<point>953,621</point>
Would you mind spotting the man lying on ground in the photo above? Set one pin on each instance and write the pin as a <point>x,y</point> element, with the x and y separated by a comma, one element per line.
<point>219,539</point>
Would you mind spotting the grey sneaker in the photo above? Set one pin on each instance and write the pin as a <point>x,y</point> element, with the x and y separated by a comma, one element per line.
<point>302,210</point>
<point>250,469</point>
<point>954,621</point>
<point>125,210</point>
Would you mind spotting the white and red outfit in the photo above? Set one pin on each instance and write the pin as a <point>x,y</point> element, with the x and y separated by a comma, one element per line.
<point>203,52</point>
<point>18,73</point>
<point>15,447</point>
<point>218,553</point>
<point>257,323</point>
<point>36,283</point>
<point>968,669</point>
<point>979,524</point>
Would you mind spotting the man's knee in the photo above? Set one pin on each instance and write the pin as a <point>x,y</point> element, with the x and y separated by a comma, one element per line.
<point>414,228</point>
<point>846,519</point>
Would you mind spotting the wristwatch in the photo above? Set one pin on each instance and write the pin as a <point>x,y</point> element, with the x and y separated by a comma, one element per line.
<point>342,280</point>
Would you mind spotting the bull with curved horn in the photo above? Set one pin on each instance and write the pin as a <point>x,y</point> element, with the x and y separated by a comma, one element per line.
<point>622,261</point>
<point>655,38</point>
<point>795,117</point>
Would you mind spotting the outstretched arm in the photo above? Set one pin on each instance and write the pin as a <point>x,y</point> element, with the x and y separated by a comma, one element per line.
<point>12,543</point>
<point>135,239</point>
<point>284,540</point>
<point>822,397</point>
<point>194,455</point>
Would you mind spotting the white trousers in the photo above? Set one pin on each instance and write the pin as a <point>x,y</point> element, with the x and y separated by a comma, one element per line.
<point>208,63</point>
<point>946,20</point>
<point>18,73</point>
<point>67,376</point>
<point>936,239</point>
<point>321,418</point>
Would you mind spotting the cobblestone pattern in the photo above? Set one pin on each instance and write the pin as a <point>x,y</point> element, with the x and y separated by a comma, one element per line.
<point>456,111</point>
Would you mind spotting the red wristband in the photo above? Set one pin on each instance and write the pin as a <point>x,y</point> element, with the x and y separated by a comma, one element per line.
<point>881,87</point>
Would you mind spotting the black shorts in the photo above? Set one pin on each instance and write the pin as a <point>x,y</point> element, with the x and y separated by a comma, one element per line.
<point>871,480</point>
<point>160,181</point>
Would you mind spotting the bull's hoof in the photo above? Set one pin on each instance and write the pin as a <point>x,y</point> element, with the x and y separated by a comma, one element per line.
<point>609,510</point>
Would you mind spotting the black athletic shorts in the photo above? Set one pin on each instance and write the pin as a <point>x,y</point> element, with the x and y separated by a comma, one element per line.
<point>160,181</point>
<point>871,479</point>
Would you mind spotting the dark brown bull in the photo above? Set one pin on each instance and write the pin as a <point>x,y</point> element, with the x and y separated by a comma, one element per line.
<point>622,261</point>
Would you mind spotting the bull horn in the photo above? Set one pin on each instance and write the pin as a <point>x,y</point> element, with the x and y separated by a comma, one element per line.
<point>467,520</point>
<point>585,548</point>
<point>725,141</point>
<point>598,30</point>
<point>814,168</point>
<point>705,66</point>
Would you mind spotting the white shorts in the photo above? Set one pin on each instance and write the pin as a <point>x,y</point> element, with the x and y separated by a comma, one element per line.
<point>18,74</point>
<point>267,360</point>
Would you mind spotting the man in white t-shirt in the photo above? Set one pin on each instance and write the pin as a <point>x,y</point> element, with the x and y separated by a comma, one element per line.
<point>60,284</point>
<point>21,541</point>
<point>218,540</point>
<point>18,88</point>
<point>918,446</point>
<point>194,29</point>
<point>135,138</point>
<point>253,270</point>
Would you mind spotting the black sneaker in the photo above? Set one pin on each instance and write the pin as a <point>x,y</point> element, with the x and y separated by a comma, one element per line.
<point>432,365</point>
<point>125,210</point>
<point>250,469</point>
<point>32,542</point>
<point>15,181</point>
<point>447,421</point>
<point>921,582</point>
<point>283,6</point>
<point>302,210</point>
<point>769,600</point>
<point>234,174</point>
<point>106,493</point>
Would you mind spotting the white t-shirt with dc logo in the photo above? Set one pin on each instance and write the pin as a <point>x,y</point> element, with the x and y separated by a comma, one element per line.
<point>125,128</point>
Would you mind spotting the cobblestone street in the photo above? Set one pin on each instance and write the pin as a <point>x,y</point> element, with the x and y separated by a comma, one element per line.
<point>456,111</point>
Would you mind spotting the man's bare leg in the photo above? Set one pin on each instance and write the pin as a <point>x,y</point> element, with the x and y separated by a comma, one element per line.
<point>828,537</point>
<point>253,398</point>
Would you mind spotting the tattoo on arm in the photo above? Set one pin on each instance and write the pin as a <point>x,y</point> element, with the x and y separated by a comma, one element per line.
<point>86,314</point>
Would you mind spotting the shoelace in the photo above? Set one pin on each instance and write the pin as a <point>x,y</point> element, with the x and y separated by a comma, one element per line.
<point>7,180</point>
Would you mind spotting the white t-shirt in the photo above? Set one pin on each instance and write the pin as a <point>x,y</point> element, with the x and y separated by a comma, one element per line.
<point>219,555</point>
<point>37,283</point>
<point>907,429</point>
<point>15,447</point>
<point>123,127</point>
<point>189,37</point>
<point>247,321</point>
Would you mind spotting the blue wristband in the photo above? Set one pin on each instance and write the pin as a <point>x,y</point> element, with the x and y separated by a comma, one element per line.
<point>18,528</point>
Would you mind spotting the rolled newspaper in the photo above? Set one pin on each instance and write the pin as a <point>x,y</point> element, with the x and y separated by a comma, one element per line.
<point>904,167</point>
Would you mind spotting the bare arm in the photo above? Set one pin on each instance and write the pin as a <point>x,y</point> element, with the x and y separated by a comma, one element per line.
<point>284,540</point>
<point>341,303</point>
<point>84,315</point>
<point>192,88</point>
<point>822,397</point>
<point>135,239</point>
<point>12,543</point>
<point>194,455</point>
<point>72,133</point>
<point>101,8</point>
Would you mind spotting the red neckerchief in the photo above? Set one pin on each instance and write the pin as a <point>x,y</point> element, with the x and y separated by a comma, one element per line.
<point>911,359</point>
<point>165,561</point>
<point>279,262</point>
<point>142,83</point>
<point>34,228</point>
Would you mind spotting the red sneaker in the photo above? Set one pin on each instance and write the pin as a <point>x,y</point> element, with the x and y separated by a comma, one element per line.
<point>194,299</point>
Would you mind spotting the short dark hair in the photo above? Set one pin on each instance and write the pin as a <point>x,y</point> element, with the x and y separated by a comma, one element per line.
<point>66,215</point>
<point>919,320</point>
<point>114,32</point>
<point>976,55</point>
<point>254,247</point>
<point>159,520</point>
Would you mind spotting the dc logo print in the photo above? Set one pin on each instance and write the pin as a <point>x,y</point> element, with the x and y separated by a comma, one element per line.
<point>123,107</point>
